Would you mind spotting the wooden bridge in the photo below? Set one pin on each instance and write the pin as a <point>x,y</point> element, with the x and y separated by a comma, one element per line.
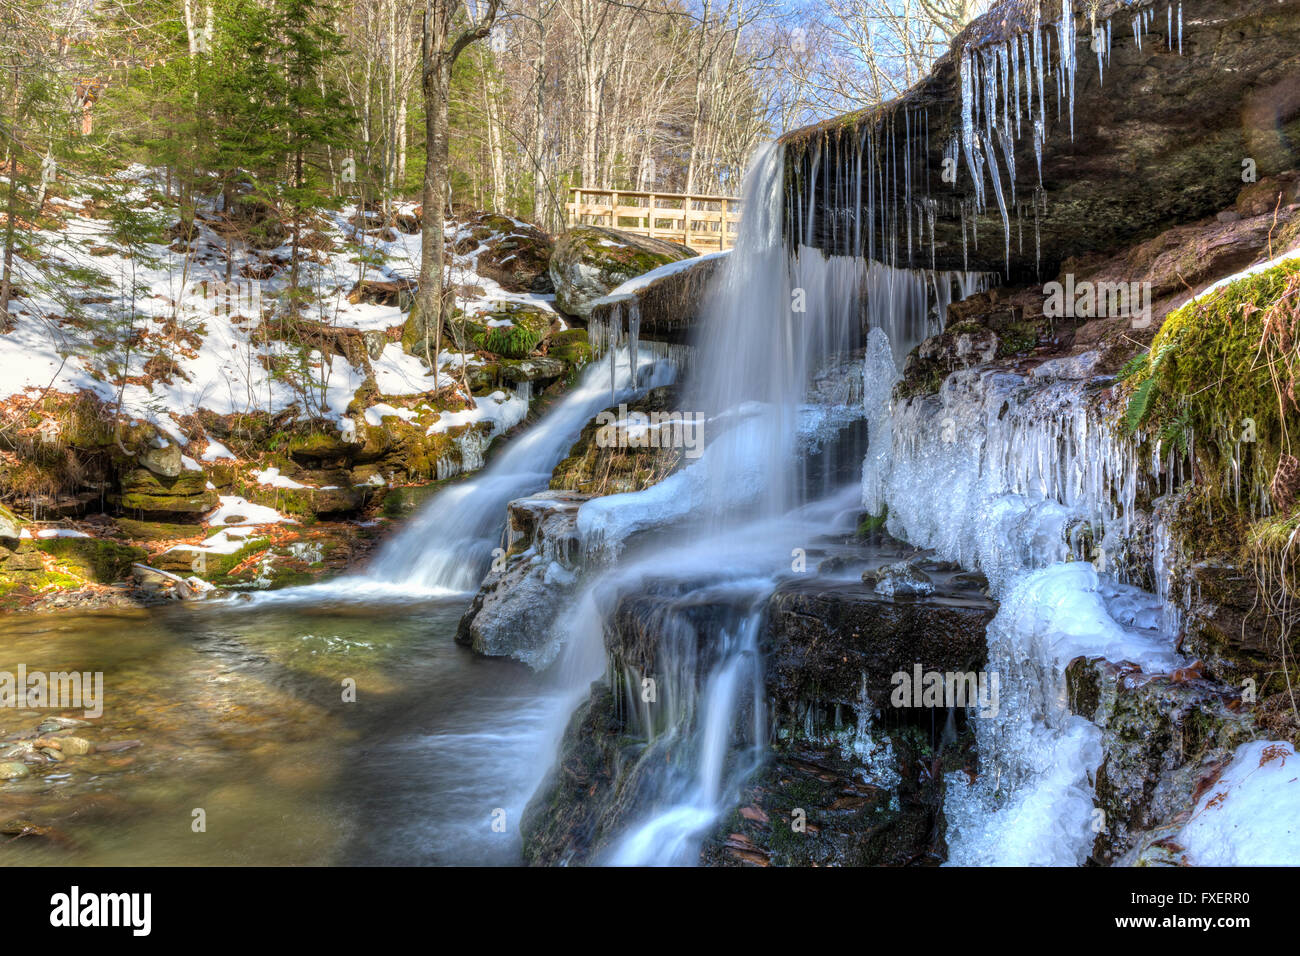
<point>705,223</point>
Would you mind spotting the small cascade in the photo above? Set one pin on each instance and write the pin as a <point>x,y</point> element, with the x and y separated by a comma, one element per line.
<point>695,736</point>
<point>447,547</point>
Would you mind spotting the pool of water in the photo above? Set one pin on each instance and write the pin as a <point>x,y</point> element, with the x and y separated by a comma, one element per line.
<point>240,713</point>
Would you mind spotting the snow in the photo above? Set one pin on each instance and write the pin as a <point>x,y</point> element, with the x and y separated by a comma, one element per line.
<point>222,358</point>
<point>273,478</point>
<point>503,410</point>
<point>376,414</point>
<point>1251,815</point>
<point>54,533</point>
<point>637,283</point>
<point>216,451</point>
<point>234,510</point>
<point>223,542</point>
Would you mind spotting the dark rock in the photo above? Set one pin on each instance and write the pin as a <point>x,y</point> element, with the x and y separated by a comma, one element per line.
<point>1161,736</point>
<point>827,637</point>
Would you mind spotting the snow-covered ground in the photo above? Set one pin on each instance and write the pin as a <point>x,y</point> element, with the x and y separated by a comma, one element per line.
<point>176,309</point>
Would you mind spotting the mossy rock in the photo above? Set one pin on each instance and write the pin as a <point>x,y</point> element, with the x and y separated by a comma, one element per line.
<point>145,493</point>
<point>94,558</point>
<point>324,445</point>
<point>591,261</point>
<point>1204,376</point>
<point>405,500</point>
<point>527,329</point>
<point>571,347</point>
<point>153,530</point>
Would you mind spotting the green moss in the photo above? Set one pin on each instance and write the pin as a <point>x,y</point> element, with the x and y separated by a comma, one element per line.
<point>98,560</point>
<point>571,347</point>
<point>873,523</point>
<point>319,445</point>
<point>1205,376</point>
<point>515,341</point>
<point>1017,338</point>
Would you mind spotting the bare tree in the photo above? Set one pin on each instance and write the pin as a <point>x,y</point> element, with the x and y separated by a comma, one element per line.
<point>439,52</point>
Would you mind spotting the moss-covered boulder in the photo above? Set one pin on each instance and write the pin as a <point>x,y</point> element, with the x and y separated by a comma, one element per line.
<point>591,261</point>
<point>513,331</point>
<point>92,558</point>
<point>149,496</point>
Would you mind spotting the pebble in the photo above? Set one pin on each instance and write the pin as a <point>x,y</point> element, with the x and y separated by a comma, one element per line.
<point>12,768</point>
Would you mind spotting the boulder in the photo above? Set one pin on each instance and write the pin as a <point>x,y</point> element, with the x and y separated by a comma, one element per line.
<point>591,261</point>
<point>513,610</point>
<point>163,460</point>
<point>670,305</point>
<point>514,254</point>
<point>514,330</point>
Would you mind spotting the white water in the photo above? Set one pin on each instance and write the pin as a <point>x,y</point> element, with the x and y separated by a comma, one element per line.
<point>447,547</point>
<point>730,521</point>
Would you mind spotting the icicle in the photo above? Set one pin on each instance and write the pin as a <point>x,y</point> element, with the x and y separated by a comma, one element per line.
<point>1066,53</point>
<point>1180,29</point>
<point>615,327</point>
<point>1169,26</point>
<point>633,337</point>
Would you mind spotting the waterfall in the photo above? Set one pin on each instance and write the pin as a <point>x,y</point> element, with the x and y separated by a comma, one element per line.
<point>447,546</point>
<point>779,322</point>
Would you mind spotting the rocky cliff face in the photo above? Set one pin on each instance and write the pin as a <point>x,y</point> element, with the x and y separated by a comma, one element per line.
<point>1156,136</point>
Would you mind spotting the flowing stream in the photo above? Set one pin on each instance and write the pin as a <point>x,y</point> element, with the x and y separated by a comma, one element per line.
<point>238,704</point>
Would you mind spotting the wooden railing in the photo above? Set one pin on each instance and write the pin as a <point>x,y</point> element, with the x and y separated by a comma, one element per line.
<point>705,223</point>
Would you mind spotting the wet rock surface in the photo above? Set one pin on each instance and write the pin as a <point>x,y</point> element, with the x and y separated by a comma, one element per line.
<point>828,638</point>
<point>512,613</point>
<point>1164,737</point>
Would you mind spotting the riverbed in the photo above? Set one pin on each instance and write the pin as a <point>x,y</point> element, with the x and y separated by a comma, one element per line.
<point>240,714</point>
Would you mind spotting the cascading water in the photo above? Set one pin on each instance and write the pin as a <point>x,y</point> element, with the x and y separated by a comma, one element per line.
<point>728,523</point>
<point>447,547</point>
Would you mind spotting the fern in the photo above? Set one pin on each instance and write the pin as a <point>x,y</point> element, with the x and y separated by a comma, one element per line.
<point>1139,404</point>
<point>1139,364</point>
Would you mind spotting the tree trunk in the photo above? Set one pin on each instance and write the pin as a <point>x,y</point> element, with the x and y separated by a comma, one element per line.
<point>437,90</point>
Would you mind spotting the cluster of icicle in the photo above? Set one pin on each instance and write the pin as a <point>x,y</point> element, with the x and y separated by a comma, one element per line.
<point>621,328</point>
<point>998,472</point>
<point>1004,90</point>
<point>995,472</point>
